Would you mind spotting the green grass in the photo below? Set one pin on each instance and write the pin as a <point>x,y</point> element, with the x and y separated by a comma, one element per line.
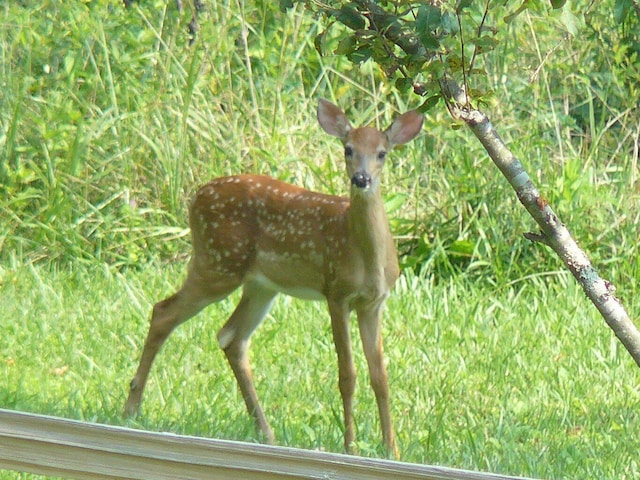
<point>497,362</point>
<point>524,379</point>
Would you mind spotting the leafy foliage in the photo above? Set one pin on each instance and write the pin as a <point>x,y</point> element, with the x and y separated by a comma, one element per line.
<point>417,43</point>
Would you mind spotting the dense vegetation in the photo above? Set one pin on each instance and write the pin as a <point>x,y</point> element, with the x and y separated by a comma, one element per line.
<point>109,120</point>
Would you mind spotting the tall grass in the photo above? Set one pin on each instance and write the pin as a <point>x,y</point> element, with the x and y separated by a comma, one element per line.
<point>109,120</point>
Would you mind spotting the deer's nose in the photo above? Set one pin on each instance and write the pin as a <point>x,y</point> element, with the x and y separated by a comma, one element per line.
<point>361,180</point>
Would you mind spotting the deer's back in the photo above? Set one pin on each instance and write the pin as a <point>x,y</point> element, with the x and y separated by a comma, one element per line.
<point>260,228</point>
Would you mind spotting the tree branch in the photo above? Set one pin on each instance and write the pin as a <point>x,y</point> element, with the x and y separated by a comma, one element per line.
<point>553,232</point>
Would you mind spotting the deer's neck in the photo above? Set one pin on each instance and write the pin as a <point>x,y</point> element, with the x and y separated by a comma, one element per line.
<point>369,227</point>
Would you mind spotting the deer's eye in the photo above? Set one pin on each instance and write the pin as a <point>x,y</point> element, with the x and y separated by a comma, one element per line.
<point>381,155</point>
<point>348,151</point>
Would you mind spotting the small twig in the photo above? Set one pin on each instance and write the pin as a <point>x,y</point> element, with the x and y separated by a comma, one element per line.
<point>536,238</point>
<point>464,72</point>
<point>475,51</point>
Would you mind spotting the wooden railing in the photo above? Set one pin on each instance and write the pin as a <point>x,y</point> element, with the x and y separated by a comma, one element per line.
<point>72,449</point>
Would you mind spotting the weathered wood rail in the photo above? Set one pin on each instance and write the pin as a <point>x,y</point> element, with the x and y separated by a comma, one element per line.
<point>72,449</point>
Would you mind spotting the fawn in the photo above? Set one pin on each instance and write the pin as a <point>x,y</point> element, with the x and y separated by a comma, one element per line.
<point>269,237</point>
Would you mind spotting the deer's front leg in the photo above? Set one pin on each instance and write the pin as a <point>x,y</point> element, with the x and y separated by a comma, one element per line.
<point>346,370</point>
<point>369,323</point>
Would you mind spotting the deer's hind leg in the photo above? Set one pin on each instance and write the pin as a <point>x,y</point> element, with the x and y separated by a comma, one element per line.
<point>234,339</point>
<point>196,293</point>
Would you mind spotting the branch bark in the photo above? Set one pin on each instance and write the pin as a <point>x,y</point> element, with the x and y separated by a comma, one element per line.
<point>553,232</point>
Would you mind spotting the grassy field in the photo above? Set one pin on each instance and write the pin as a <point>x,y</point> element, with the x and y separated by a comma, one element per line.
<point>109,121</point>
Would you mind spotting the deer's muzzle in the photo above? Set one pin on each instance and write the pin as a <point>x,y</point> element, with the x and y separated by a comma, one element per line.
<point>361,180</point>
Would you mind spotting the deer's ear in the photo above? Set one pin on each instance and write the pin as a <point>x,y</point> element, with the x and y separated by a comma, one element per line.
<point>405,128</point>
<point>332,119</point>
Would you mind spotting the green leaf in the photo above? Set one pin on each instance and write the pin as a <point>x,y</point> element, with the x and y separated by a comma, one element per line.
<point>429,18</point>
<point>461,5</point>
<point>429,103</point>
<point>430,42</point>
<point>404,84</point>
<point>558,3</point>
<point>485,44</point>
<point>435,69</point>
<point>621,9</point>
<point>346,46</point>
<point>285,5</point>
<point>362,54</point>
<point>350,17</point>
<point>450,23</point>
<point>462,248</point>
<point>570,22</point>
<point>509,18</point>
<point>318,42</point>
